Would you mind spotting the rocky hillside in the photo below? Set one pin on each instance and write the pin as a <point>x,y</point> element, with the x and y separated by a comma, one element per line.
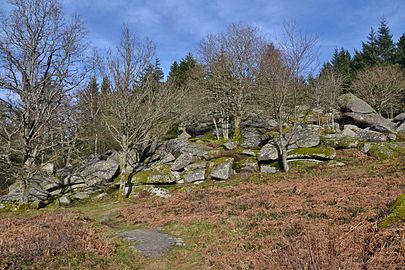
<point>201,157</point>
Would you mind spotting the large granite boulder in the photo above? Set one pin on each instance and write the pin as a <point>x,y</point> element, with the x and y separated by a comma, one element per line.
<point>194,175</point>
<point>367,120</point>
<point>399,118</point>
<point>159,174</point>
<point>351,103</point>
<point>246,165</point>
<point>303,136</point>
<point>222,168</point>
<point>182,161</point>
<point>385,151</point>
<point>268,152</point>
<point>340,141</point>
<point>255,131</point>
<point>401,128</point>
<point>364,135</point>
<point>182,144</point>
<point>358,112</point>
<point>96,171</point>
<point>36,193</point>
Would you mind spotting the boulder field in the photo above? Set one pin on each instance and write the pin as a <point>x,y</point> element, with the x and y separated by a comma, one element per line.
<point>194,159</point>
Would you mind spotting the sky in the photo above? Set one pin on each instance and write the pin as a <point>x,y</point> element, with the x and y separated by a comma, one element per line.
<point>177,26</point>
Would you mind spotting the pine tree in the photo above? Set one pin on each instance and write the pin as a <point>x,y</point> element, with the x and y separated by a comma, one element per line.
<point>152,75</point>
<point>174,70</point>
<point>158,72</point>
<point>400,52</point>
<point>180,73</point>
<point>105,86</point>
<point>385,44</point>
<point>341,64</point>
<point>369,55</point>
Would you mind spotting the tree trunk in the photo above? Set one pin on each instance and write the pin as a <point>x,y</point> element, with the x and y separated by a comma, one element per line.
<point>96,144</point>
<point>123,167</point>
<point>27,173</point>
<point>225,128</point>
<point>282,147</point>
<point>216,128</point>
<point>8,151</point>
<point>237,134</point>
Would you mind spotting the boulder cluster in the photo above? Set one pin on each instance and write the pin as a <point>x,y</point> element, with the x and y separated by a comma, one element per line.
<point>197,158</point>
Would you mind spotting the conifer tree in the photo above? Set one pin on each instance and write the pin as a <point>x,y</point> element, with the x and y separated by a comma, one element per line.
<point>105,86</point>
<point>369,55</point>
<point>341,64</point>
<point>385,44</point>
<point>183,71</point>
<point>157,71</point>
<point>400,52</point>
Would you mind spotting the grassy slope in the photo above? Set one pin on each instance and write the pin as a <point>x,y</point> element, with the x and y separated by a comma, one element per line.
<point>324,217</point>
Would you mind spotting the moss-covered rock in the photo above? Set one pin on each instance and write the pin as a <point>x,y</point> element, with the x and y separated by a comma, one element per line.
<point>303,163</point>
<point>313,152</point>
<point>221,168</point>
<point>338,142</point>
<point>396,213</point>
<point>248,164</point>
<point>160,174</point>
<point>385,151</point>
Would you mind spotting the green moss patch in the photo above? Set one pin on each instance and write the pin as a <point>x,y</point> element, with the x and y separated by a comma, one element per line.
<point>161,174</point>
<point>249,162</point>
<point>395,214</point>
<point>339,143</point>
<point>313,152</point>
<point>303,163</point>
<point>385,151</point>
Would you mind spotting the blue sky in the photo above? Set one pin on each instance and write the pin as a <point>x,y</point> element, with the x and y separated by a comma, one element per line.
<point>177,26</point>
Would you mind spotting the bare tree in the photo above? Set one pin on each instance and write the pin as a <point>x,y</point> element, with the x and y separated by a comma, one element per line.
<point>239,50</point>
<point>217,96</point>
<point>40,59</point>
<point>299,55</point>
<point>276,93</point>
<point>324,92</point>
<point>89,109</point>
<point>280,79</point>
<point>383,87</point>
<point>136,111</point>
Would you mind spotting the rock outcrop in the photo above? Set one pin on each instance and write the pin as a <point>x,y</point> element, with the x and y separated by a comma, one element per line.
<point>358,112</point>
<point>191,160</point>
